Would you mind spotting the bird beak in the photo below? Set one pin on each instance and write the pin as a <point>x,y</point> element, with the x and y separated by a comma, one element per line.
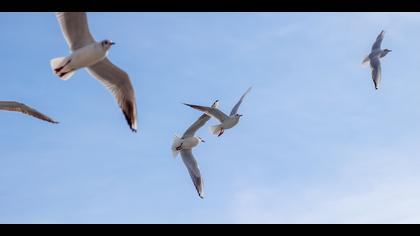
<point>240,115</point>
<point>112,43</point>
<point>203,141</point>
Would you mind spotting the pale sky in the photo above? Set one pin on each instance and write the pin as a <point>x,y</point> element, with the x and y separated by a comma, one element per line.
<point>316,144</point>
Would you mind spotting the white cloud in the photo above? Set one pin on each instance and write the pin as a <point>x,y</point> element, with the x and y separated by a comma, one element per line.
<point>373,186</point>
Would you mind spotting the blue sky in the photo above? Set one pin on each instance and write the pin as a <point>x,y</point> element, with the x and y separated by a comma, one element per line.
<point>316,144</point>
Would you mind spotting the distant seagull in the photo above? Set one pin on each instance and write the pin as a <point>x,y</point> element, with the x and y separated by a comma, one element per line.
<point>226,121</point>
<point>373,58</point>
<point>86,52</point>
<point>185,145</point>
<point>20,107</point>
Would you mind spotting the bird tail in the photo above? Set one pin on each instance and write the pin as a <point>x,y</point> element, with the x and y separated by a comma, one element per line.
<point>366,61</point>
<point>216,129</point>
<point>57,65</point>
<point>176,142</point>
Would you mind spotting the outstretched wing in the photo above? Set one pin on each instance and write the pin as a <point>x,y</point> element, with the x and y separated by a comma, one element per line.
<point>75,29</point>
<point>377,44</point>
<point>118,82</point>
<point>202,120</point>
<point>213,112</point>
<point>236,107</point>
<point>20,107</point>
<point>193,170</point>
<point>375,65</point>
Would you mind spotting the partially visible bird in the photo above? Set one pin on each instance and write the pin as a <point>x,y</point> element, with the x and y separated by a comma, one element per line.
<point>87,53</point>
<point>227,122</point>
<point>373,59</point>
<point>186,143</point>
<point>20,107</point>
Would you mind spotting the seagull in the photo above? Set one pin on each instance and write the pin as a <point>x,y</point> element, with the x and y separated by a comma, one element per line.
<point>373,58</point>
<point>226,121</point>
<point>87,53</point>
<point>20,107</point>
<point>186,143</point>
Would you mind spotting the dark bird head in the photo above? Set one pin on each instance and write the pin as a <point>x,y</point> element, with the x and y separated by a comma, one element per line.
<point>106,44</point>
<point>384,52</point>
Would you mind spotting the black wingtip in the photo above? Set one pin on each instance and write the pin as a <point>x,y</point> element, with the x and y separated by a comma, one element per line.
<point>129,114</point>
<point>130,122</point>
<point>52,121</point>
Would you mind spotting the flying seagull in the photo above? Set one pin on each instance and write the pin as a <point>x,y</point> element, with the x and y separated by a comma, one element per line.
<point>226,121</point>
<point>87,53</point>
<point>186,143</point>
<point>373,59</point>
<point>20,107</point>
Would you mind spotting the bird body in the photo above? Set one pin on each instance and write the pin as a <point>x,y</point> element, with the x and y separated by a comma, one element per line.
<point>80,58</point>
<point>231,122</point>
<point>226,121</point>
<point>186,143</point>
<point>373,59</point>
<point>92,55</point>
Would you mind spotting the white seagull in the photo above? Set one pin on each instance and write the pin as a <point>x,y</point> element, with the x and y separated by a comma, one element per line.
<point>226,121</point>
<point>20,107</point>
<point>186,143</point>
<point>373,58</point>
<point>86,52</point>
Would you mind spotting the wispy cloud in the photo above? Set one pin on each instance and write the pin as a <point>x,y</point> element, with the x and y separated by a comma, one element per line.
<point>379,185</point>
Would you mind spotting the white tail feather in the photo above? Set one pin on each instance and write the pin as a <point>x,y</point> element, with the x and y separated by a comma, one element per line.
<point>57,63</point>
<point>174,153</point>
<point>365,61</point>
<point>216,129</point>
<point>176,142</point>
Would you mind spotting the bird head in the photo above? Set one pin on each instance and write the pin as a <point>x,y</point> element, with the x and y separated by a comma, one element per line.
<point>106,44</point>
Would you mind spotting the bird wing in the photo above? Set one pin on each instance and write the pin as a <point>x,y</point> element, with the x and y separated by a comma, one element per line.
<point>193,170</point>
<point>377,44</point>
<point>236,107</point>
<point>375,65</point>
<point>202,120</point>
<point>118,82</point>
<point>75,29</point>
<point>19,107</point>
<point>213,112</point>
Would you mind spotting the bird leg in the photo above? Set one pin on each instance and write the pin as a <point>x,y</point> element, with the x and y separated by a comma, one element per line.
<point>63,74</point>
<point>61,67</point>
<point>221,132</point>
